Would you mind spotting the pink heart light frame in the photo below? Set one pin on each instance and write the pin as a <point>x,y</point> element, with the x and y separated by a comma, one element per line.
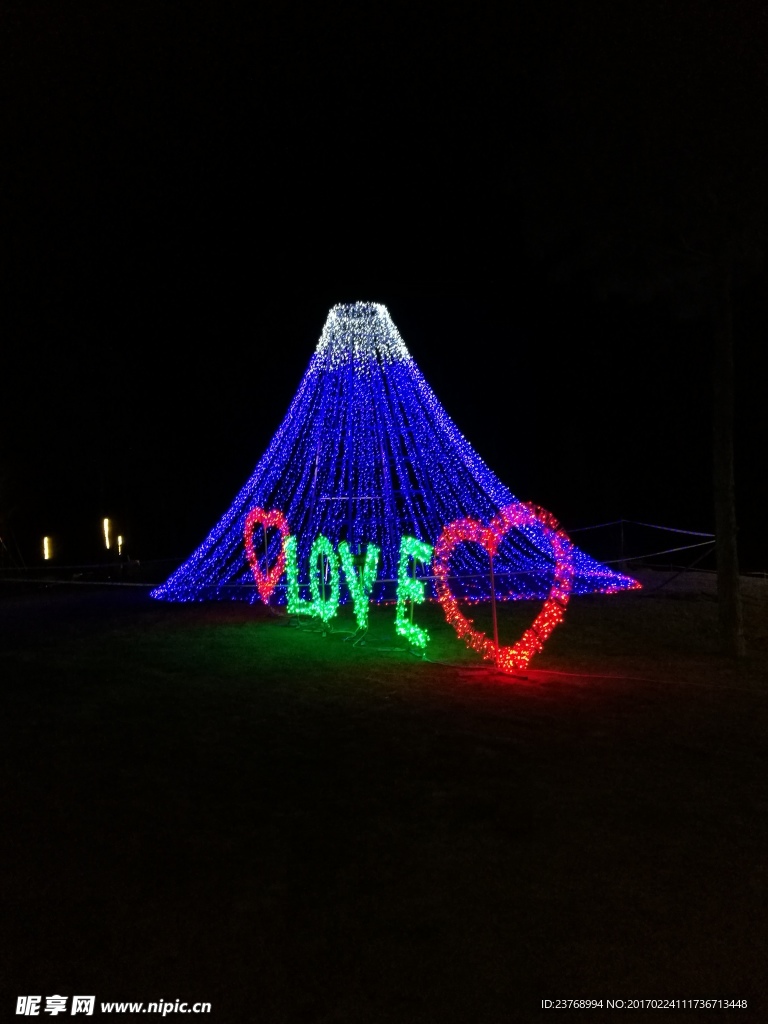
<point>516,516</point>
<point>265,582</point>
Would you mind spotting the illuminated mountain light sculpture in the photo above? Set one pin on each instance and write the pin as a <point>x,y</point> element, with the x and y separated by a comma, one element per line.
<point>365,456</point>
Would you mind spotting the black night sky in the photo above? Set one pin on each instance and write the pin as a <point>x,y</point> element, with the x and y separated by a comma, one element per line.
<point>537,192</point>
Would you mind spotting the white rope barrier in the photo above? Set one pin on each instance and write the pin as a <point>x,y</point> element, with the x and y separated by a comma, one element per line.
<point>32,571</point>
<point>654,554</point>
<point>634,522</point>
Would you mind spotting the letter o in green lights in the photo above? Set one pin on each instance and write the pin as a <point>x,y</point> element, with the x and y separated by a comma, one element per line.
<point>324,608</point>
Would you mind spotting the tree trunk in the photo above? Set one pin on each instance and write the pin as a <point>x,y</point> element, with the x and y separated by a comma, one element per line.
<point>728,591</point>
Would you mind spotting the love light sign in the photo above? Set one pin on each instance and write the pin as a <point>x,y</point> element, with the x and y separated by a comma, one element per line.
<point>326,566</point>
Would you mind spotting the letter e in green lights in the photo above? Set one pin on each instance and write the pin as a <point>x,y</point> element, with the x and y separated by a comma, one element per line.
<point>410,589</point>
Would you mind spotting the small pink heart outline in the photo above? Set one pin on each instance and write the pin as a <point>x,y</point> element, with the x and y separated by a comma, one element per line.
<point>515,516</point>
<point>266,582</point>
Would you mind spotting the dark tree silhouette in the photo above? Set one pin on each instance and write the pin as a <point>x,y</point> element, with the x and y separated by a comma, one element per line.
<point>651,183</point>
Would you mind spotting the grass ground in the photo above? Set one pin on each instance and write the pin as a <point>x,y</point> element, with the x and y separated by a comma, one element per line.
<point>204,802</point>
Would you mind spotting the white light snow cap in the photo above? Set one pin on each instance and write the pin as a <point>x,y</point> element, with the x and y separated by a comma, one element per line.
<point>360,331</point>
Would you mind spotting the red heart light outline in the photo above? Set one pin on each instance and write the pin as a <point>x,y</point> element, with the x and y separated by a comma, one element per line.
<point>266,582</point>
<point>516,516</point>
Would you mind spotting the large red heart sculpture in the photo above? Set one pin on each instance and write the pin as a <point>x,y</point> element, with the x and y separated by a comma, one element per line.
<point>516,516</point>
<point>266,582</point>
